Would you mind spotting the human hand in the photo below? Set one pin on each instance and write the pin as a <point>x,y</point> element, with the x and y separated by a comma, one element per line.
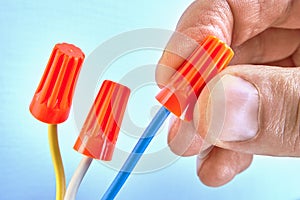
<point>258,95</point>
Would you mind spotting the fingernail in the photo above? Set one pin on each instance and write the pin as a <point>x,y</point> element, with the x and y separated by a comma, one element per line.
<point>233,109</point>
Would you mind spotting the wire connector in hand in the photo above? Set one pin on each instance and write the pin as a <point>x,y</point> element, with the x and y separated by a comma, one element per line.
<point>207,60</point>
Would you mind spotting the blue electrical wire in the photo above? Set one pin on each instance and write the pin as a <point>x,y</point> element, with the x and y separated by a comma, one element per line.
<point>136,154</point>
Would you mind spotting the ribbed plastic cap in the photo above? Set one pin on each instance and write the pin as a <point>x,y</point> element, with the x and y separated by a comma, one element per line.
<point>100,131</point>
<point>53,98</point>
<point>207,60</point>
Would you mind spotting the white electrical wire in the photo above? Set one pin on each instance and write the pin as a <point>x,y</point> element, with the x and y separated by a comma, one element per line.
<point>77,178</point>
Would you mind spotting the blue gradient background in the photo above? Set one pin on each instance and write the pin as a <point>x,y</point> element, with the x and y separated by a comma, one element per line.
<point>29,30</point>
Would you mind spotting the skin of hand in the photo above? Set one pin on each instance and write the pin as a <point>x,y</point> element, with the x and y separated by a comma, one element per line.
<point>257,95</point>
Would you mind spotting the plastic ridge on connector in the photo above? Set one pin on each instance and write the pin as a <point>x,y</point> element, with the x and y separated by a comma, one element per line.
<point>52,100</point>
<point>206,61</point>
<point>100,131</point>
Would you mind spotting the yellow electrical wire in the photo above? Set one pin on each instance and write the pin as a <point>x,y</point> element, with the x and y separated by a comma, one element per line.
<point>57,162</point>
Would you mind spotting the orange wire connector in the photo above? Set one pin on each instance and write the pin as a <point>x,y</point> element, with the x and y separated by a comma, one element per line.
<point>206,61</point>
<point>53,98</point>
<point>100,131</point>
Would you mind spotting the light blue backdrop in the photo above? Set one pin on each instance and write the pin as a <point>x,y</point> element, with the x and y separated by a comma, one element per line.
<point>29,30</point>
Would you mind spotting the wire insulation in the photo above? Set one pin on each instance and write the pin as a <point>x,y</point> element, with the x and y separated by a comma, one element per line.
<point>136,154</point>
<point>57,162</point>
<point>77,178</point>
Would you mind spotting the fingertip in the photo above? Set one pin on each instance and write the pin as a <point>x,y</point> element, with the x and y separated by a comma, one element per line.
<point>183,139</point>
<point>246,163</point>
<point>217,179</point>
<point>179,47</point>
<point>221,166</point>
<point>213,173</point>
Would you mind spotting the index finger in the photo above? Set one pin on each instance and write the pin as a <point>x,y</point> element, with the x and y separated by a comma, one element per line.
<point>232,21</point>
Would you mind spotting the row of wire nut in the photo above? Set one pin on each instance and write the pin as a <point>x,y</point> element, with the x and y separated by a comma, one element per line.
<point>53,98</point>
<point>51,104</point>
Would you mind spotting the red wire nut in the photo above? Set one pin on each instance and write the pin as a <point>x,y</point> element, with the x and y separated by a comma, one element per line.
<point>53,98</point>
<point>100,131</point>
<point>206,61</point>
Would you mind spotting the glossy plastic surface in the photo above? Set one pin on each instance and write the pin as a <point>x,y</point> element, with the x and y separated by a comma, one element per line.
<point>208,59</point>
<point>52,100</point>
<point>100,131</point>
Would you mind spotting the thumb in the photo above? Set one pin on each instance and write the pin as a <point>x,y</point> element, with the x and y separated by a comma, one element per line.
<point>252,109</point>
